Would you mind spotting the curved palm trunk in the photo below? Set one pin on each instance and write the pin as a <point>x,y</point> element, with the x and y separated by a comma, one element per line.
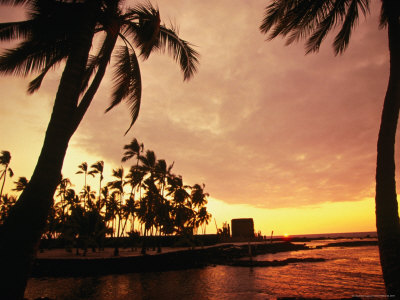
<point>387,218</point>
<point>20,235</point>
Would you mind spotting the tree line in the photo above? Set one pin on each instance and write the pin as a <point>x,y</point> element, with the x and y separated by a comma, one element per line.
<point>149,195</point>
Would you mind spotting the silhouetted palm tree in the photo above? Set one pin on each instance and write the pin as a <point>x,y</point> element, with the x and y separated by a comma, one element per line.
<point>65,183</point>
<point>132,150</point>
<point>162,172</point>
<point>313,20</point>
<point>83,169</point>
<point>147,208</point>
<point>98,168</point>
<point>113,210</point>
<point>203,218</point>
<point>71,198</point>
<point>118,186</point>
<point>5,205</point>
<point>135,178</point>
<point>148,162</point>
<point>57,31</point>
<point>90,196</point>
<point>21,184</point>
<point>128,213</point>
<point>182,207</point>
<point>199,198</point>
<point>104,203</point>
<point>5,159</point>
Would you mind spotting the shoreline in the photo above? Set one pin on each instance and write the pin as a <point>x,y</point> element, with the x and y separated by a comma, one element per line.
<point>60,263</point>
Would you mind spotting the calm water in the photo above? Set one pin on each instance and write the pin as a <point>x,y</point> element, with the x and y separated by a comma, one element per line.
<point>348,272</point>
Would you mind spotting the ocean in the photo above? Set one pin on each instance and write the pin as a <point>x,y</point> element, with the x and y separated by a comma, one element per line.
<point>347,272</point>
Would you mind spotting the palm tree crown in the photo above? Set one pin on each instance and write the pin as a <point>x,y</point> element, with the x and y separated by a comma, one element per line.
<point>21,184</point>
<point>313,19</point>
<point>131,150</point>
<point>5,159</point>
<point>49,34</point>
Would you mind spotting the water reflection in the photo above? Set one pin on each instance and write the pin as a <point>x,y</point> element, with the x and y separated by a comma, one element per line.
<point>348,272</point>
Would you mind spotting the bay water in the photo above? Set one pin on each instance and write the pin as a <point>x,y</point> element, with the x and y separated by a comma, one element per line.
<point>347,272</point>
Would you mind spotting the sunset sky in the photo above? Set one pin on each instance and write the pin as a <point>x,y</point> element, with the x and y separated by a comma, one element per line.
<point>276,135</point>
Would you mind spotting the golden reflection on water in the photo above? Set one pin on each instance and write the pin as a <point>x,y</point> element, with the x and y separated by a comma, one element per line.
<point>347,272</point>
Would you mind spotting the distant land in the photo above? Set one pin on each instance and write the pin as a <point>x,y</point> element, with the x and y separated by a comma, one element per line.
<point>371,234</point>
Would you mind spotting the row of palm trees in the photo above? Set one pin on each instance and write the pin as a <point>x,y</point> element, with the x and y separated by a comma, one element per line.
<point>148,195</point>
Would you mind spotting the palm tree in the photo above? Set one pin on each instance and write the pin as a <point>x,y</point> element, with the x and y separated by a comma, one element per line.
<point>5,205</point>
<point>5,159</point>
<point>21,184</point>
<point>182,206</point>
<point>98,168</point>
<point>162,172</point>
<point>131,150</point>
<point>83,169</point>
<point>88,195</point>
<point>199,198</point>
<point>105,201</point>
<point>203,217</point>
<point>146,211</point>
<point>134,178</point>
<point>148,162</point>
<point>63,31</point>
<point>129,210</point>
<point>113,209</point>
<point>313,20</point>
<point>63,186</point>
<point>118,186</point>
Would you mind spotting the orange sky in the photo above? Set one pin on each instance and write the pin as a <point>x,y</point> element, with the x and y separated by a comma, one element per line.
<point>276,135</point>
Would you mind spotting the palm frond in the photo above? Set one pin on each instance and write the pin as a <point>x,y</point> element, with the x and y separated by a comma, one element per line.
<point>143,22</point>
<point>15,2</point>
<point>342,38</point>
<point>93,63</point>
<point>334,14</point>
<point>127,83</point>
<point>31,56</point>
<point>313,20</point>
<point>383,15</point>
<point>35,84</point>
<point>274,13</point>
<point>180,50</point>
<point>5,157</point>
<point>132,150</point>
<point>47,37</point>
<point>15,30</point>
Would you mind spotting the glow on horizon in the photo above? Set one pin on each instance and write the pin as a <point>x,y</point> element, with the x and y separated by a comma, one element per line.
<point>336,217</point>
